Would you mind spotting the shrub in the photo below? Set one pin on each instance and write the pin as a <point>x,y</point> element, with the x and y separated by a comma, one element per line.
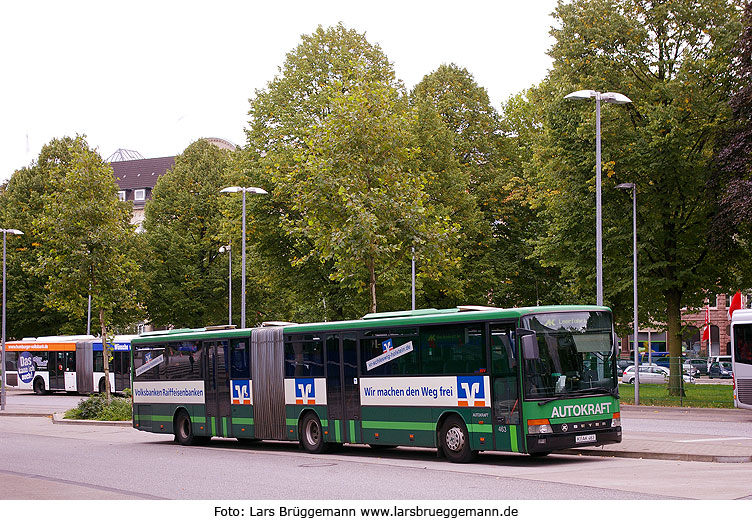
<point>95,407</point>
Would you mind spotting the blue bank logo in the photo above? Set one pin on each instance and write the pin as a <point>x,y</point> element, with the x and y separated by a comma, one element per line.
<point>241,391</point>
<point>471,391</point>
<point>387,346</point>
<point>305,391</point>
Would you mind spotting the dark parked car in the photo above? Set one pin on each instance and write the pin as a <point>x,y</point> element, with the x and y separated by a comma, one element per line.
<point>720,370</point>
<point>699,364</point>
<point>622,364</point>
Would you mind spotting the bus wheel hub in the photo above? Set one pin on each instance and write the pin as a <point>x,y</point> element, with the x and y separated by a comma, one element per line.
<point>455,439</point>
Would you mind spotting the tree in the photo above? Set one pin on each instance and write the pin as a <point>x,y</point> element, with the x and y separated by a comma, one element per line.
<point>183,226</point>
<point>671,59</point>
<point>356,197</point>
<point>455,131</point>
<point>286,140</point>
<point>21,203</point>
<point>734,156</point>
<point>87,243</point>
<point>475,160</point>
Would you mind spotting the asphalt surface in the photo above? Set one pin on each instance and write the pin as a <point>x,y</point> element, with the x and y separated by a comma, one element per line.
<point>681,445</point>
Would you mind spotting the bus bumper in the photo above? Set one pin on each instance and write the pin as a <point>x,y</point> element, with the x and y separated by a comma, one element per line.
<point>550,442</point>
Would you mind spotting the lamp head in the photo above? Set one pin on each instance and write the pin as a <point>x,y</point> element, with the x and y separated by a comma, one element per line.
<point>615,98</point>
<point>236,189</point>
<point>581,95</point>
<point>625,186</point>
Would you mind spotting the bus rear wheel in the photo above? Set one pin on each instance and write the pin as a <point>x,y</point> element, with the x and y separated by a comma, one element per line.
<point>39,386</point>
<point>455,441</point>
<point>311,434</point>
<point>102,386</point>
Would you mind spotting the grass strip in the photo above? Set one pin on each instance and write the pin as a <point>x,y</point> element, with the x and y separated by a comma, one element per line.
<point>695,395</point>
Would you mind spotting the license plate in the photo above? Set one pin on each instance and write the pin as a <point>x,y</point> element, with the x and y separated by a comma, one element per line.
<point>587,438</point>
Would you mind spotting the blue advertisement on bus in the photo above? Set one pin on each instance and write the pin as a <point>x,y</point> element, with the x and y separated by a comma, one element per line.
<point>117,346</point>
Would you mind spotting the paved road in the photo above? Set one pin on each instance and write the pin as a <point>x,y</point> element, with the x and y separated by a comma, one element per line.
<point>64,461</point>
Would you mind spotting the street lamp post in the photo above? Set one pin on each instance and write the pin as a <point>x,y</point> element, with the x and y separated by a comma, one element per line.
<point>228,249</point>
<point>413,280</point>
<point>2,388</point>
<point>631,186</point>
<point>236,189</point>
<point>611,98</point>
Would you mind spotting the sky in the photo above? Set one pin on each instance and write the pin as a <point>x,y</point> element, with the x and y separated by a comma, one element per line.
<point>153,76</point>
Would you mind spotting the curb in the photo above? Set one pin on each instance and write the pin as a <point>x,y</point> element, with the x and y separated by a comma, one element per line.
<point>24,414</point>
<point>656,455</point>
<point>57,419</point>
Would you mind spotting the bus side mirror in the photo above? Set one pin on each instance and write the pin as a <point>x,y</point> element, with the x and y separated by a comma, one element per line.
<point>529,346</point>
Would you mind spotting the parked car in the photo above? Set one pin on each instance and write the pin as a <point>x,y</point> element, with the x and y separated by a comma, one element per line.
<point>651,374</point>
<point>622,365</point>
<point>687,367</point>
<point>721,370</point>
<point>700,364</point>
<point>719,359</point>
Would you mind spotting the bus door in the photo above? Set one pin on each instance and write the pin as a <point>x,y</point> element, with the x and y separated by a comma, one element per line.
<point>217,389</point>
<point>342,388</point>
<point>508,432</point>
<point>56,367</point>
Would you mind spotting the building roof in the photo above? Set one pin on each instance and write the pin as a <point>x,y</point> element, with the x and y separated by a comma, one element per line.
<point>141,173</point>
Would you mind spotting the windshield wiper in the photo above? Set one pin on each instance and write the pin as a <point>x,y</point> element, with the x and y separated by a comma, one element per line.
<point>547,401</point>
<point>597,390</point>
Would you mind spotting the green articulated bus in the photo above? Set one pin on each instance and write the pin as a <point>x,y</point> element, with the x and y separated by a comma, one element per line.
<point>463,380</point>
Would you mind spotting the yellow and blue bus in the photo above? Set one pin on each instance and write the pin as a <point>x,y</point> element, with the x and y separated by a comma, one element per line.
<point>463,380</point>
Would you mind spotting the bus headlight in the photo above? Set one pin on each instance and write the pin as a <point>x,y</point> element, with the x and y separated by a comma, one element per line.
<point>616,420</point>
<point>539,426</point>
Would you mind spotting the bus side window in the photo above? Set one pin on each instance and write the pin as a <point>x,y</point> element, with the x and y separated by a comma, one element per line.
<point>453,349</point>
<point>304,358</point>
<point>240,359</point>
<point>11,361</point>
<point>70,361</point>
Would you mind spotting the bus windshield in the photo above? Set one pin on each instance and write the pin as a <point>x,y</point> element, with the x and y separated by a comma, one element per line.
<point>574,355</point>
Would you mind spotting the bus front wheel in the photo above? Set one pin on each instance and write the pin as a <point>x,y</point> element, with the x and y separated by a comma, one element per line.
<point>102,386</point>
<point>311,434</point>
<point>455,441</point>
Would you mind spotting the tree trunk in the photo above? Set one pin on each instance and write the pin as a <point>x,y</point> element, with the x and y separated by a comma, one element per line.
<point>105,356</point>
<point>674,342</point>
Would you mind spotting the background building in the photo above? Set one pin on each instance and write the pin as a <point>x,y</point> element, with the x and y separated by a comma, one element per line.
<point>137,176</point>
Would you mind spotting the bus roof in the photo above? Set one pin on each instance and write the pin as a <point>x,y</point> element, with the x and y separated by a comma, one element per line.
<point>377,320</point>
<point>742,316</point>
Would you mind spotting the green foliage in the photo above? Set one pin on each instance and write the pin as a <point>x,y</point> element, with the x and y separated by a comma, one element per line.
<point>330,139</point>
<point>672,60</point>
<point>21,203</point>
<point>475,160</point>
<point>186,274</point>
<point>88,244</point>
<point>97,408</point>
<point>87,240</point>
<point>733,176</point>
<point>356,198</point>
